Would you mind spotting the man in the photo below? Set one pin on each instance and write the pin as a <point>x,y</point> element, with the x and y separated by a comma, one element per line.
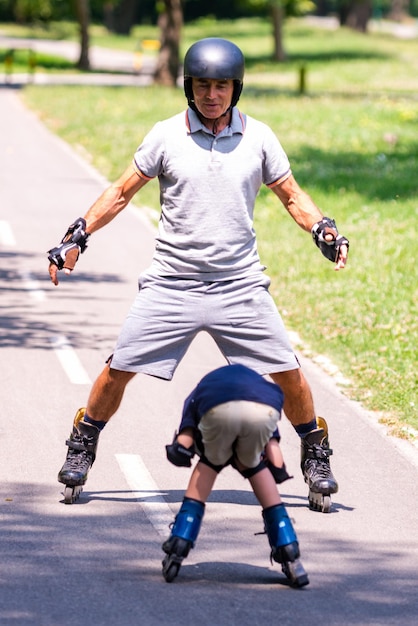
<point>206,274</point>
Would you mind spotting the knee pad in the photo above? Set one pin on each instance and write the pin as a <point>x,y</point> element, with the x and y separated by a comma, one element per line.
<point>280,474</point>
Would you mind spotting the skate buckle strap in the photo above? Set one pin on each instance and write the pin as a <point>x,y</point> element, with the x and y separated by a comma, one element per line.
<point>318,452</point>
<point>83,444</point>
<point>75,445</point>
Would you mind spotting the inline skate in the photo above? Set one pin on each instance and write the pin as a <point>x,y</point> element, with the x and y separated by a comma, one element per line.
<point>316,469</point>
<point>183,536</point>
<point>82,445</point>
<point>284,544</point>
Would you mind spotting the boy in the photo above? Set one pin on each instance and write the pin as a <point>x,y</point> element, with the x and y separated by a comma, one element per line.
<point>232,414</point>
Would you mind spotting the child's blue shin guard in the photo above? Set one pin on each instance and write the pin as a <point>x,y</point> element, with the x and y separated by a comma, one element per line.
<point>186,528</point>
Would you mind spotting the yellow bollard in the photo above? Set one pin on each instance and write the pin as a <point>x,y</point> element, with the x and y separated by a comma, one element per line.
<point>146,46</point>
<point>151,45</point>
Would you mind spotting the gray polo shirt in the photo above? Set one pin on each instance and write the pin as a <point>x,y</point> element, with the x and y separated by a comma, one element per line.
<point>208,187</point>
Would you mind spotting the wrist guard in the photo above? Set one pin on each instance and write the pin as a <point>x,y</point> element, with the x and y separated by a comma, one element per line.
<point>330,249</point>
<point>179,455</point>
<point>72,244</point>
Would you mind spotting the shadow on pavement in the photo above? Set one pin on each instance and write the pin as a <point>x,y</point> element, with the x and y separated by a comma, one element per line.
<point>62,565</point>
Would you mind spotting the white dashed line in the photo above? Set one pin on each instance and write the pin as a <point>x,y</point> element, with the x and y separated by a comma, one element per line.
<point>147,492</point>
<point>70,361</point>
<point>7,237</point>
<point>62,348</point>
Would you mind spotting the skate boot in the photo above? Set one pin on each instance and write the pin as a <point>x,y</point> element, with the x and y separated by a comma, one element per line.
<point>82,445</point>
<point>183,536</point>
<point>284,544</point>
<point>315,465</point>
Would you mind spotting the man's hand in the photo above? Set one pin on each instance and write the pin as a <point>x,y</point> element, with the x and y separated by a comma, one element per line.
<point>341,261</point>
<point>66,254</point>
<point>53,273</point>
<point>332,245</point>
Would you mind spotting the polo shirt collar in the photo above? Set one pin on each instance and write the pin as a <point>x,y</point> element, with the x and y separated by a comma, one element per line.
<point>194,124</point>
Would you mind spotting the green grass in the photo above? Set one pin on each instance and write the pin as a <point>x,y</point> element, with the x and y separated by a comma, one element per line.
<point>353,144</point>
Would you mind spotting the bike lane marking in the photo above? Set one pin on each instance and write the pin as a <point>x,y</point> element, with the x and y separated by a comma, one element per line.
<point>62,347</point>
<point>69,360</point>
<point>7,237</point>
<point>146,492</point>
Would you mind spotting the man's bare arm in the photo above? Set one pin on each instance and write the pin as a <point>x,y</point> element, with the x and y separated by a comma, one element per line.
<point>307,215</point>
<point>112,201</point>
<point>298,203</point>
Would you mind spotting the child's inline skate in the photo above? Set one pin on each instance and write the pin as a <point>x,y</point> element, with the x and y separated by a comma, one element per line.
<point>183,536</point>
<point>284,544</point>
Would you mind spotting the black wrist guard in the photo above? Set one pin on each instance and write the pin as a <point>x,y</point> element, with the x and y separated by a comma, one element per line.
<point>179,455</point>
<point>74,240</point>
<point>330,249</point>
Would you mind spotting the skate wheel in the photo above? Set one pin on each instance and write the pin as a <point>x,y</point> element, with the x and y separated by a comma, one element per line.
<point>295,572</point>
<point>170,568</point>
<point>68,495</point>
<point>71,493</point>
<point>319,502</point>
<point>326,504</point>
<point>171,572</point>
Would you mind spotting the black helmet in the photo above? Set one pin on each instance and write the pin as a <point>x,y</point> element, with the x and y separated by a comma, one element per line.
<point>213,58</point>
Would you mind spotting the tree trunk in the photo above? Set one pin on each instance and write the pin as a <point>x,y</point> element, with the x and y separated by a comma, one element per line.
<point>123,16</point>
<point>399,10</point>
<point>82,11</point>
<point>277,15</point>
<point>108,19</point>
<point>356,14</point>
<point>170,23</point>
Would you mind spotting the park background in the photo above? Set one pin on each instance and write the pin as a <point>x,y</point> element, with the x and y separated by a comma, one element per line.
<point>338,83</point>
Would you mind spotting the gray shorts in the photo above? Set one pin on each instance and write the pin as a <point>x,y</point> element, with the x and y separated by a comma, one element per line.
<point>168,313</point>
<point>239,428</point>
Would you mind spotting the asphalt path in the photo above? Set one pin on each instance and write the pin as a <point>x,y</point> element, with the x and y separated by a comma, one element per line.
<point>98,561</point>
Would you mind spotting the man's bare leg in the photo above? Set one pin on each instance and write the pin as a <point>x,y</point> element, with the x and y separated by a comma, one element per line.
<point>107,393</point>
<point>298,402</point>
<point>105,398</point>
<point>313,431</point>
